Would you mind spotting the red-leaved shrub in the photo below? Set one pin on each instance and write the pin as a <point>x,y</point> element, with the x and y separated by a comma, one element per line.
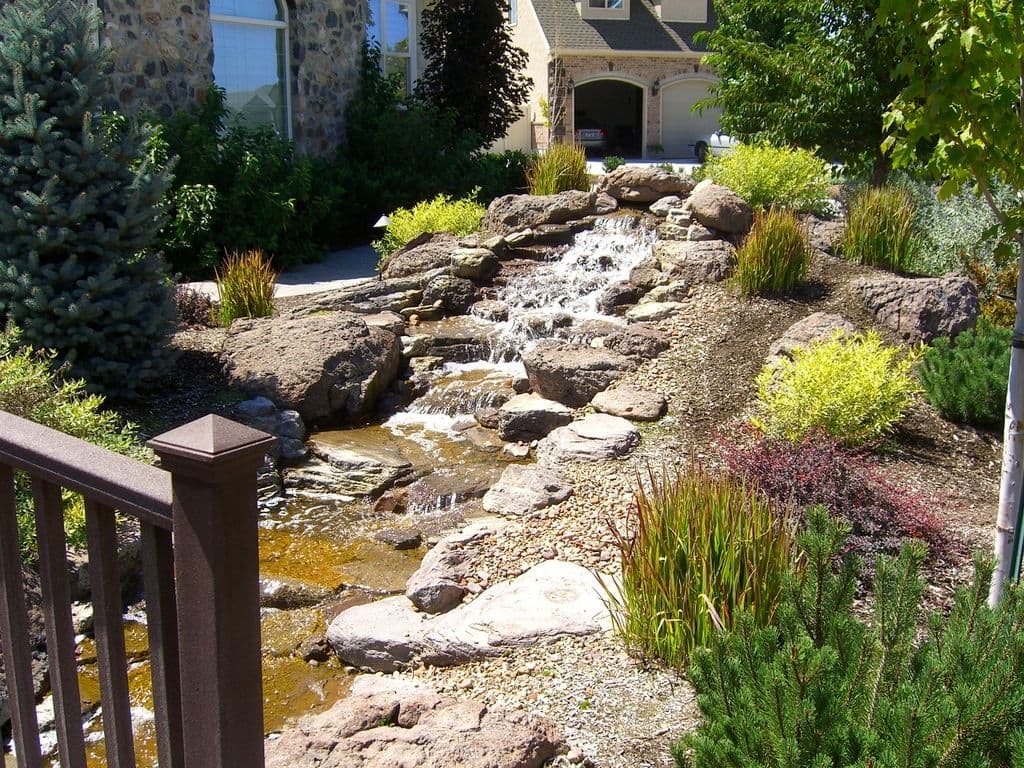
<point>819,470</point>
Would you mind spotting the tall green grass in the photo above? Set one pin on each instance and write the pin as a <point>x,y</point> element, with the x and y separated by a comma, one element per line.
<point>561,168</point>
<point>704,547</point>
<point>246,285</point>
<point>775,255</point>
<point>880,229</point>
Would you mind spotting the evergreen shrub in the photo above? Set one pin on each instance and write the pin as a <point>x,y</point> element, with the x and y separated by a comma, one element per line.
<point>767,176</point>
<point>965,378</point>
<point>881,229</point>
<point>561,168</point>
<point>824,687</point>
<point>612,162</point>
<point>79,204</point>
<point>774,255</point>
<point>852,388</point>
<point>245,282</point>
<point>441,214</point>
<point>700,548</point>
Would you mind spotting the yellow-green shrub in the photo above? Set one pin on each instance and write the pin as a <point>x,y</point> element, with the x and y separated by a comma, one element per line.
<point>561,168</point>
<point>775,255</point>
<point>852,388</point>
<point>767,176</point>
<point>245,282</point>
<point>442,214</point>
<point>880,229</point>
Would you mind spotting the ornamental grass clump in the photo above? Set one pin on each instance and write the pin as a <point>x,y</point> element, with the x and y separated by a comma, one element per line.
<point>440,214</point>
<point>767,176</point>
<point>561,168</point>
<point>246,285</point>
<point>965,378</point>
<point>775,255</point>
<point>700,548</point>
<point>851,387</point>
<point>880,229</point>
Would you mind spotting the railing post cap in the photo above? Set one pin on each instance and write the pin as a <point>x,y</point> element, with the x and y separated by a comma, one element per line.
<point>211,442</point>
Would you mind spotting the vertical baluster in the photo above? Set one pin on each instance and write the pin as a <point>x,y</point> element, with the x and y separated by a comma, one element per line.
<point>105,579</point>
<point>60,636</point>
<point>14,631</point>
<point>162,622</point>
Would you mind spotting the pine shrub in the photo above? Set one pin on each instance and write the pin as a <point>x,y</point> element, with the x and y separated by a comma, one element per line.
<point>702,547</point>
<point>775,254</point>
<point>79,204</point>
<point>767,176</point>
<point>561,168</point>
<point>824,687</point>
<point>881,230</point>
<point>441,214</point>
<point>852,388</point>
<point>246,284</point>
<point>965,378</point>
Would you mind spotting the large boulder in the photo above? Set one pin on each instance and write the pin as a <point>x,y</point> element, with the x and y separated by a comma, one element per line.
<point>384,636</point>
<point>452,294</point>
<point>349,467</point>
<point>921,308</point>
<point>721,209</point>
<point>530,417</point>
<point>524,489</point>
<point>635,184</point>
<point>700,261</point>
<point>421,254</point>
<point>512,213</point>
<point>396,723</point>
<point>478,264</point>
<point>825,234</point>
<point>597,437</point>
<point>369,296</point>
<point>328,367</point>
<point>819,326</point>
<point>573,374</point>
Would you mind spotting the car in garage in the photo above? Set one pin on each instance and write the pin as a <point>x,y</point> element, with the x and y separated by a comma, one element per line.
<point>716,143</point>
<point>590,135</point>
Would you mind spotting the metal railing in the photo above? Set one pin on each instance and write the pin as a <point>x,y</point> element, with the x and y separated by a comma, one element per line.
<point>200,574</point>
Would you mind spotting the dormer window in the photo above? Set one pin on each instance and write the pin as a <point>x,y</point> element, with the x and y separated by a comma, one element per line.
<point>606,4</point>
<point>603,9</point>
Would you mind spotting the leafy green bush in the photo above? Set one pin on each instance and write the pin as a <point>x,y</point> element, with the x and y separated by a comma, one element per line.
<point>245,282</point>
<point>880,229</point>
<point>767,176</point>
<point>442,214</point>
<point>31,389</point>
<point>965,378</point>
<point>824,687</point>
<point>774,255</point>
<point>703,549</point>
<point>852,388</point>
<point>612,162</point>
<point>497,174</point>
<point>561,168</point>
<point>667,166</point>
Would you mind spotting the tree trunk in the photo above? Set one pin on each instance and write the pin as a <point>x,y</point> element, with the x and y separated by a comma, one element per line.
<point>1013,447</point>
<point>881,168</point>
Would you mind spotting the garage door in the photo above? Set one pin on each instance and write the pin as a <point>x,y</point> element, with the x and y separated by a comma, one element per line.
<point>681,128</point>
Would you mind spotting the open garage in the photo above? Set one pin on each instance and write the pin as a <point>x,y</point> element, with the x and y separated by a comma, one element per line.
<point>681,127</point>
<point>615,106</point>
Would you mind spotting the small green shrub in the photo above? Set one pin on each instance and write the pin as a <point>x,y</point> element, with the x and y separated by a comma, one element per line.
<point>825,687</point>
<point>852,388</point>
<point>703,549</point>
<point>667,166</point>
<point>442,214</point>
<point>880,229</point>
<point>965,378</point>
<point>774,255</point>
<point>767,176</point>
<point>612,162</point>
<point>245,282</point>
<point>561,168</point>
<point>497,174</point>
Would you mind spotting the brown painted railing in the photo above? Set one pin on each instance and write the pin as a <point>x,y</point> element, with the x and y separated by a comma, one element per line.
<point>201,581</point>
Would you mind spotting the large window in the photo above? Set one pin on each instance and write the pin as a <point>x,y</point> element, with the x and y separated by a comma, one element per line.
<point>393,27</point>
<point>249,45</point>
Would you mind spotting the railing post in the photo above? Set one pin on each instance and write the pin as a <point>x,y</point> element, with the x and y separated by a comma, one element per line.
<point>213,462</point>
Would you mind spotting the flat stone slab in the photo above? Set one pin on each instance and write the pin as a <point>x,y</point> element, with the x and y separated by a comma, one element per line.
<point>571,373</point>
<point>596,437</point>
<point>384,636</point>
<point>652,311</point>
<point>525,489</point>
<point>630,403</point>
<point>530,417</point>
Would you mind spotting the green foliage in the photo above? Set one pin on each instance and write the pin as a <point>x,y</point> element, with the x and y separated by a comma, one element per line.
<point>881,230</point>
<point>245,282</point>
<point>824,687</point>
<point>442,214</point>
<point>965,378</point>
<point>702,548</point>
<point>774,255</point>
<point>852,388</point>
<point>501,173</point>
<point>31,389</point>
<point>473,69</point>
<point>78,206</point>
<point>612,162</point>
<point>767,176</point>
<point>667,166</point>
<point>561,168</point>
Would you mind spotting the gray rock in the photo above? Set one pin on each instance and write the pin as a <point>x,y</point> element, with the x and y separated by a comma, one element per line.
<point>525,489</point>
<point>388,320</point>
<point>819,326</point>
<point>638,341</point>
<point>477,264</point>
<point>422,254</point>
<point>708,261</point>
<point>919,309</point>
<point>487,417</point>
<point>438,585</point>
<point>289,594</point>
<point>605,204</point>
<point>652,311</point>
<point>677,290</point>
<point>825,234</point>
<point>635,184</point>
<point>663,205</point>
<point>597,437</point>
<point>514,213</point>
<point>616,295</point>
<point>353,469</point>
<point>368,296</point>
<point>489,309</point>
<point>400,538</point>
<point>670,230</point>
<point>452,294</point>
<point>483,439</point>
<point>256,407</point>
<point>630,403</point>
<point>384,636</point>
<point>647,275</point>
<point>290,425</point>
<point>697,232</point>
<point>530,417</point>
<point>327,367</point>
<point>573,374</point>
<point>721,209</point>
<point>292,451</point>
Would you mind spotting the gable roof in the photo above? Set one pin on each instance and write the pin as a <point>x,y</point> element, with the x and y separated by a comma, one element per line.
<point>564,28</point>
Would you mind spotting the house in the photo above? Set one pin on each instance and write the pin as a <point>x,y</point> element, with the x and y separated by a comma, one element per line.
<point>628,67</point>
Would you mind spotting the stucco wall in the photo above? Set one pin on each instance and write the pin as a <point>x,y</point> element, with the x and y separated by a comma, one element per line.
<point>528,35</point>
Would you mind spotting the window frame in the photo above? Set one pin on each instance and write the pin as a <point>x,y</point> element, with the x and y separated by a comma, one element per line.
<point>587,12</point>
<point>278,24</point>
<point>412,55</point>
